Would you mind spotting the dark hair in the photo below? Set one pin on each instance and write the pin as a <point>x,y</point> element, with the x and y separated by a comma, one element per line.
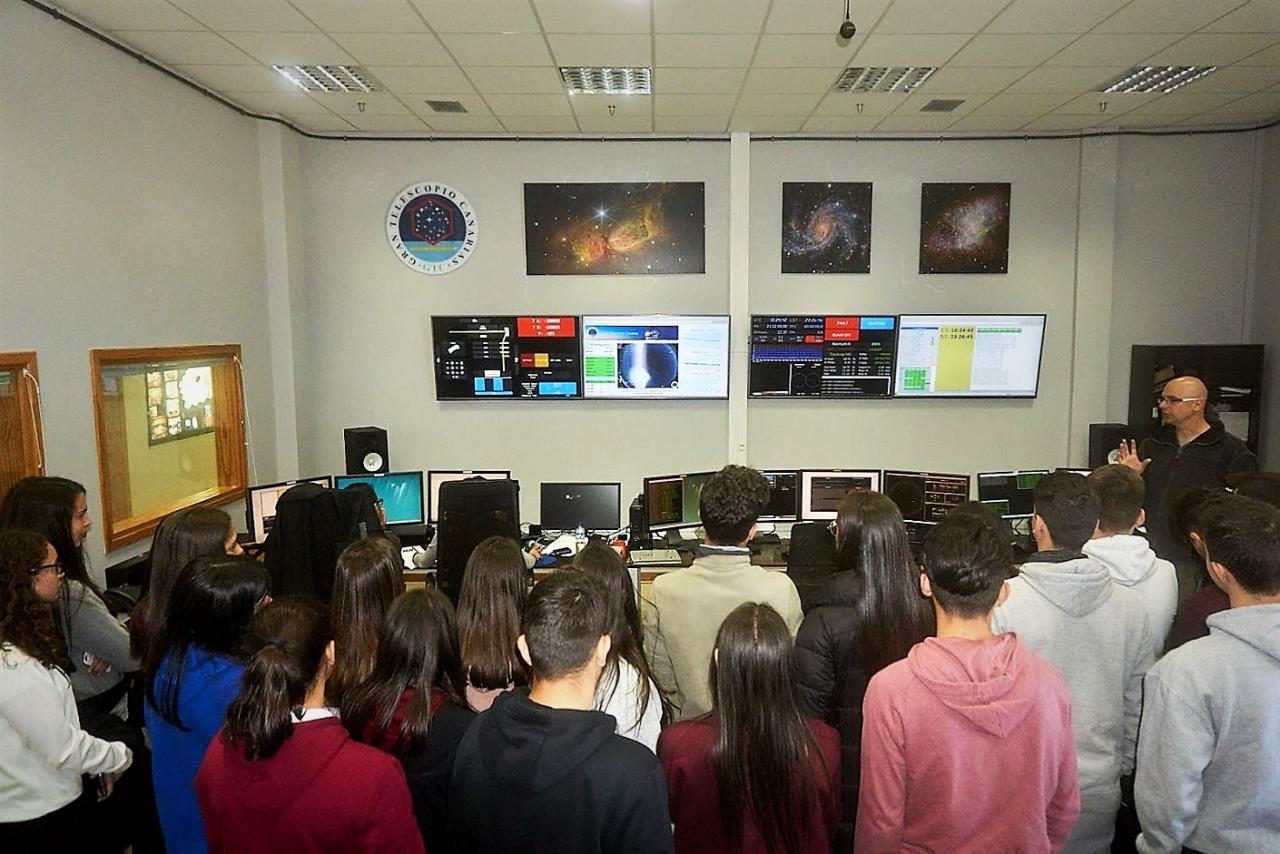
<point>1262,485</point>
<point>731,502</point>
<point>417,653</point>
<point>600,563</point>
<point>1120,491</point>
<point>967,564</point>
<point>1068,508</point>
<point>288,639</point>
<point>987,516</point>
<point>564,620</point>
<point>1243,535</point>
<point>494,590</point>
<point>368,578</point>
<point>25,620</point>
<point>45,506</point>
<point>210,605</point>
<point>871,541</point>
<point>181,538</point>
<point>1188,509</point>
<point>764,751</point>
<point>365,507</point>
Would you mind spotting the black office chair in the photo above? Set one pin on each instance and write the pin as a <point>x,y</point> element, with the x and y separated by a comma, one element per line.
<point>811,559</point>
<point>470,511</point>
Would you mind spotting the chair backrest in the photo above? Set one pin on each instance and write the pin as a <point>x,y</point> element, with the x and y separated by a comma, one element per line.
<point>811,558</point>
<point>313,525</point>
<point>470,511</point>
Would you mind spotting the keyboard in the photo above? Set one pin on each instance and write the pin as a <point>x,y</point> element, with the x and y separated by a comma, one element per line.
<point>655,557</point>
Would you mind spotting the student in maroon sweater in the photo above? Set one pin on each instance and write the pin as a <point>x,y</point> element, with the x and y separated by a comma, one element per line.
<point>283,775</point>
<point>754,775</point>
<point>975,727</point>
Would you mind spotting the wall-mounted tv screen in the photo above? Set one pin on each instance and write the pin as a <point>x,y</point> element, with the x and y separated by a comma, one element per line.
<point>795,355</point>
<point>968,355</point>
<point>506,356</point>
<point>632,357</point>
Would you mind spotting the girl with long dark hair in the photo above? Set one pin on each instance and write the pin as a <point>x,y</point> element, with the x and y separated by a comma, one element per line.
<point>284,775</point>
<point>495,587</point>
<point>369,576</point>
<point>412,705</point>
<point>754,775</point>
<point>626,690</point>
<point>196,674</point>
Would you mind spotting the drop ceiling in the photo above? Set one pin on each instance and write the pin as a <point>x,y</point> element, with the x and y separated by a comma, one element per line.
<point>766,66</point>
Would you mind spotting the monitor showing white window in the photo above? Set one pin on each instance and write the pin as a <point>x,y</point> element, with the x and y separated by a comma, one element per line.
<point>631,357</point>
<point>822,491</point>
<point>968,355</point>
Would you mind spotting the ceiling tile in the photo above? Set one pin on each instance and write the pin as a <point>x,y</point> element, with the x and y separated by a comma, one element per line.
<point>710,16</point>
<point>1270,56</point>
<point>697,80</point>
<point>413,80</point>
<point>775,104</point>
<point>616,124</point>
<point>802,51</point>
<point>592,16</point>
<point>983,123</point>
<point>375,104</point>
<point>1184,103</point>
<point>463,124</point>
<point>319,122</point>
<point>291,48</point>
<point>543,80</point>
<point>1116,104</point>
<point>1262,102</point>
<point>1056,122</point>
<point>473,104</point>
<point>1166,16</point>
<point>615,50</point>
<point>275,102</point>
<point>872,104</point>
<point>1002,50</point>
<point>1238,78</point>
<point>1066,79</point>
<point>478,16</point>
<point>624,106</point>
<point>393,48</point>
<point>806,16</point>
<point>1261,16</point>
<point>693,105</point>
<point>240,78</point>
<point>714,51</point>
<point>915,123</point>
<point>367,16</point>
<point>890,50</point>
<point>388,124</point>
<point>1023,103</point>
<point>1053,16</point>
<point>1112,49</point>
<point>184,48</point>
<point>255,16</point>
<point>841,124</point>
<point>529,105</point>
<point>540,124</point>
<point>929,16</point>
<point>130,14</point>
<point>500,49</point>
<point>816,80</point>
<point>692,124</point>
<point>766,124</point>
<point>985,80</point>
<point>1212,49</point>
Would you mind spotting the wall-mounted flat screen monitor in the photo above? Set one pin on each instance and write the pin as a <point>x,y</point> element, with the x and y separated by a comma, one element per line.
<point>925,496</point>
<point>633,357</point>
<point>794,355</point>
<point>592,506</point>
<point>435,478</point>
<point>506,356</point>
<point>400,493</point>
<point>968,355</point>
<point>1010,493</point>
<point>260,504</point>
<point>784,496</point>
<point>671,501</point>
<point>822,491</point>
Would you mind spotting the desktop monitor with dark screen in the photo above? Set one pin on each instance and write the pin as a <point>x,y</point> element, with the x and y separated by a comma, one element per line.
<point>592,506</point>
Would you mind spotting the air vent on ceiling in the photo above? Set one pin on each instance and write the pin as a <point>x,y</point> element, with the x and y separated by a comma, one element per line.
<point>329,78</point>
<point>446,106</point>
<point>1156,78</point>
<point>607,80</point>
<point>900,79</point>
<point>941,105</point>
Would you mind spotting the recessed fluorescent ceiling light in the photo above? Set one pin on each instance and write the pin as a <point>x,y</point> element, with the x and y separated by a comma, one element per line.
<point>1156,78</point>
<point>328,78</point>
<point>607,81</point>
<point>899,79</point>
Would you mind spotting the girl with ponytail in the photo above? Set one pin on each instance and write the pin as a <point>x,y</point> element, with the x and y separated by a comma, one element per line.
<point>284,775</point>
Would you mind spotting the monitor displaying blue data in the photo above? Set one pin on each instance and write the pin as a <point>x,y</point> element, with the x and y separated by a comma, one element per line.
<point>506,356</point>
<point>968,355</point>
<point>400,493</point>
<point>838,356</point>
<point>636,357</point>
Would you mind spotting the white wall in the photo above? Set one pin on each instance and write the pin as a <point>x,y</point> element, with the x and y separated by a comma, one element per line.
<point>1266,314</point>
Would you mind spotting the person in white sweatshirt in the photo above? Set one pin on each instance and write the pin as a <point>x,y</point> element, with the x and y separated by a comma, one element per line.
<point>1209,749</point>
<point>1127,556</point>
<point>1064,605</point>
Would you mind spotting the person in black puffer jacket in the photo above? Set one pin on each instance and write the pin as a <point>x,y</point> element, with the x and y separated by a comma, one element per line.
<point>869,614</point>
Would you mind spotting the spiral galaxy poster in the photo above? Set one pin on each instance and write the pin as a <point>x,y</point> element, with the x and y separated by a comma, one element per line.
<point>614,229</point>
<point>964,228</point>
<point>826,228</point>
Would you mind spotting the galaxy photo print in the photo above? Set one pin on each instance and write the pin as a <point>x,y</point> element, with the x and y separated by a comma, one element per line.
<point>964,228</point>
<point>826,227</point>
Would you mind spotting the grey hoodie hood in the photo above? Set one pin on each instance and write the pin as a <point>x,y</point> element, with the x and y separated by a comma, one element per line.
<point>1255,625</point>
<point>1127,558</point>
<point>1077,587</point>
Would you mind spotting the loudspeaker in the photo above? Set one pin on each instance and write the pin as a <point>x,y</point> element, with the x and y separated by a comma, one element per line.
<point>639,536</point>
<point>366,450</point>
<point>1104,439</point>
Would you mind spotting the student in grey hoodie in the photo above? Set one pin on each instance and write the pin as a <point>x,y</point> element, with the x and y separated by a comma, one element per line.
<point>1128,557</point>
<point>1094,632</point>
<point>1208,767</point>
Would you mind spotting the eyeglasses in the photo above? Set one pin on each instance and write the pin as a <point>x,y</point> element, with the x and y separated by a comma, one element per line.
<point>51,567</point>
<point>1173,401</point>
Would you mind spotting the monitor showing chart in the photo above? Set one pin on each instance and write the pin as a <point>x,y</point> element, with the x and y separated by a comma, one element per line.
<point>506,356</point>
<point>435,478</point>
<point>924,496</point>
<point>1010,493</point>
<point>400,493</point>
<point>821,355</point>
<point>260,504</point>
<point>822,491</point>
<point>630,357</point>
<point>963,355</point>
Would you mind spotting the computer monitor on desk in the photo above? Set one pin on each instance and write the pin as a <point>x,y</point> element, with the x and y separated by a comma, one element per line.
<point>1010,493</point>
<point>784,495</point>
<point>822,491</point>
<point>925,496</point>
<point>591,506</point>
<point>260,504</point>
<point>435,478</point>
<point>671,500</point>
<point>399,492</point>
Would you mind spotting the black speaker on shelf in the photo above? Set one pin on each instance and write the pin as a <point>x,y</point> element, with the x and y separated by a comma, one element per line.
<point>366,450</point>
<point>1104,439</point>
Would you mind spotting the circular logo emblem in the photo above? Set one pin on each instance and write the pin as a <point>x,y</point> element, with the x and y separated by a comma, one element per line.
<point>432,228</point>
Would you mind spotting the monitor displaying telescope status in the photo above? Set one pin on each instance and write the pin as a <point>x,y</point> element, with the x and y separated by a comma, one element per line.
<point>821,355</point>
<point>925,497</point>
<point>506,356</point>
<point>633,357</point>
<point>1010,493</point>
<point>968,355</point>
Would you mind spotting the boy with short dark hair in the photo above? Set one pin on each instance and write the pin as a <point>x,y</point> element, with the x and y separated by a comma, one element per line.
<point>975,726</point>
<point>541,770</point>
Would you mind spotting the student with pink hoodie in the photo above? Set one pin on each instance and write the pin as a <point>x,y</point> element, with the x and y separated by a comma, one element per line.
<point>975,726</point>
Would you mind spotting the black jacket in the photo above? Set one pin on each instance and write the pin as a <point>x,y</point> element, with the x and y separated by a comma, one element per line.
<point>428,771</point>
<point>527,778</point>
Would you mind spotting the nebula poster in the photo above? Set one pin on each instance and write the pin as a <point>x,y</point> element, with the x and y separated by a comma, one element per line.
<point>826,228</point>
<point>614,229</point>
<point>964,228</point>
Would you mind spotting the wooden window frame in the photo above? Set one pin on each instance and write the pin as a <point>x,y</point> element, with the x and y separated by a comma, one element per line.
<point>22,364</point>
<point>233,468</point>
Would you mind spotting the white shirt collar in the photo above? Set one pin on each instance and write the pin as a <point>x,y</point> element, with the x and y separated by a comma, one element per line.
<point>309,715</point>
